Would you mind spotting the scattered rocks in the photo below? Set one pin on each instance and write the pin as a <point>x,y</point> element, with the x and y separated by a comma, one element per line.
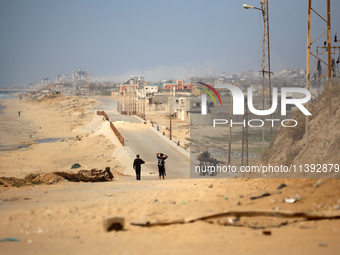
<point>115,223</point>
<point>281,186</point>
<point>318,183</point>
<point>290,200</point>
<point>267,232</point>
<point>233,220</point>
<point>261,196</point>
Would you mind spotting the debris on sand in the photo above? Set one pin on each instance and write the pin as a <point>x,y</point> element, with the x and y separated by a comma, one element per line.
<point>10,239</point>
<point>30,179</point>
<point>266,232</point>
<point>93,175</point>
<point>263,195</point>
<point>305,216</point>
<point>76,165</point>
<point>51,178</point>
<point>318,183</point>
<point>281,186</point>
<point>114,223</point>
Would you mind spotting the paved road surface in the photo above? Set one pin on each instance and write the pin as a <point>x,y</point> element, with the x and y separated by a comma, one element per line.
<point>110,107</point>
<point>142,140</point>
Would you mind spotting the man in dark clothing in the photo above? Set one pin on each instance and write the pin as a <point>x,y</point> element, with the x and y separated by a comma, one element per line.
<point>137,166</point>
<point>161,168</point>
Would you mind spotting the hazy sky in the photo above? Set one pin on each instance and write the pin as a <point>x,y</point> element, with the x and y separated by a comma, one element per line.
<point>155,38</point>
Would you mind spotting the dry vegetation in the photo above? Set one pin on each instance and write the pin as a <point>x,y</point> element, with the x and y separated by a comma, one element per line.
<point>324,135</point>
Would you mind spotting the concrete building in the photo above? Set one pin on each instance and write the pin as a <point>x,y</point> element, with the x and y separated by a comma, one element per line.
<point>178,85</point>
<point>80,75</point>
<point>62,78</point>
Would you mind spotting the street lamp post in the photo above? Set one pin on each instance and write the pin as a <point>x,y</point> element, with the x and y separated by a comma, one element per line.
<point>173,90</point>
<point>265,57</point>
<point>247,6</point>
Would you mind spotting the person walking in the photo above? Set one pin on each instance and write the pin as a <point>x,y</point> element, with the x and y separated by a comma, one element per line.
<point>161,168</point>
<point>137,166</point>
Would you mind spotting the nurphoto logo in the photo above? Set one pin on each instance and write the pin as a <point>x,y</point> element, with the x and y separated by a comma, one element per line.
<point>238,104</point>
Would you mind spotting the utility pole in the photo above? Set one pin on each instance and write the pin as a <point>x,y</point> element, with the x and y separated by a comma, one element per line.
<point>309,53</point>
<point>170,110</point>
<point>308,64</point>
<point>265,59</point>
<point>245,135</point>
<point>266,62</point>
<point>329,54</point>
<point>144,102</point>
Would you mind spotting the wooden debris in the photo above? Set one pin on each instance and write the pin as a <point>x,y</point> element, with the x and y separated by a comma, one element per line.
<point>304,215</point>
<point>114,223</point>
<point>93,175</point>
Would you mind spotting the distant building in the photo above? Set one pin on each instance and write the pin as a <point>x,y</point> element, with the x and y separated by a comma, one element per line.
<point>83,90</point>
<point>181,107</point>
<point>125,89</point>
<point>80,75</point>
<point>131,85</point>
<point>62,78</point>
<point>134,80</point>
<point>178,85</point>
<point>114,91</point>
<point>196,91</point>
<point>148,90</point>
<point>45,82</point>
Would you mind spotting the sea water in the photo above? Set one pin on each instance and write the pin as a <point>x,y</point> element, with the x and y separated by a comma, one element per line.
<point>7,94</point>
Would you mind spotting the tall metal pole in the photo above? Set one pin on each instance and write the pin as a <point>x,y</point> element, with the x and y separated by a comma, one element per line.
<point>329,54</point>
<point>245,135</point>
<point>308,65</point>
<point>144,107</point>
<point>170,110</point>
<point>265,58</point>
<point>263,64</point>
<point>269,71</point>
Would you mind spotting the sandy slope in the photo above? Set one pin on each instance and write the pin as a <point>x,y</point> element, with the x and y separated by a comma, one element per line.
<point>67,218</point>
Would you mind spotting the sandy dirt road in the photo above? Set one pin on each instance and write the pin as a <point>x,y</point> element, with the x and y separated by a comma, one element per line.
<point>144,141</point>
<point>68,217</point>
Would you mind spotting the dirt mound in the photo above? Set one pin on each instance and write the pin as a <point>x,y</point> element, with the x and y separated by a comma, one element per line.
<point>290,147</point>
<point>93,175</point>
<point>30,179</point>
<point>52,178</point>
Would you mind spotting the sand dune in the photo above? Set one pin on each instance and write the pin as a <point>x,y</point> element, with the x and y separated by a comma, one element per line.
<point>68,218</point>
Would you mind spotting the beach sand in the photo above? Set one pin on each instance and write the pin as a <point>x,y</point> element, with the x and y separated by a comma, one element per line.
<point>68,218</point>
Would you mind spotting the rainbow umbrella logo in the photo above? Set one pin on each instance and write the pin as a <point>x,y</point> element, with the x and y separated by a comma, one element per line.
<point>209,93</point>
